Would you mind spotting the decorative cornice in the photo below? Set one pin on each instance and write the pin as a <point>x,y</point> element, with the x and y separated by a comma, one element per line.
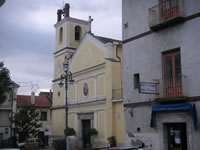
<point>64,50</point>
<point>57,107</point>
<point>89,103</point>
<point>117,100</point>
<point>89,69</point>
<point>69,19</point>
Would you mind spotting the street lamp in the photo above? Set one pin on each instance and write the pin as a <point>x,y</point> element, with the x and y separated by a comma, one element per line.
<point>67,76</point>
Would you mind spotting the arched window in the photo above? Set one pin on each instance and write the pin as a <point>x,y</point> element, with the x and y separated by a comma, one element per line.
<point>77,33</point>
<point>60,35</point>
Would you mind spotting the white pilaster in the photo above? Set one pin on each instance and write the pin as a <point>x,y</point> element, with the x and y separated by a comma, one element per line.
<point>95,120</point>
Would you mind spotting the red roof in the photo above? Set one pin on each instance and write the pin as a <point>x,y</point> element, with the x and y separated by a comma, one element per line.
<point>40,101</point>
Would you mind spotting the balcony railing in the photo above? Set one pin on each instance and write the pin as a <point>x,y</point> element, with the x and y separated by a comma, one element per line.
<point>171,88</point>
<point>117,93</point>
<point>169,11</point>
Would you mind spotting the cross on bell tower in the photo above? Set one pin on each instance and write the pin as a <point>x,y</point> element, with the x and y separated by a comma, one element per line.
<point>90,23</point>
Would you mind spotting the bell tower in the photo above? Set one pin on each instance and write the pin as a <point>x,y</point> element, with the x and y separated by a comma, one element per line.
<point>69,31</point>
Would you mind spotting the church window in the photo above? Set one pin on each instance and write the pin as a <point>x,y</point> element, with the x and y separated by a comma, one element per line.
<point>77,33</point>
<point>60,35</point>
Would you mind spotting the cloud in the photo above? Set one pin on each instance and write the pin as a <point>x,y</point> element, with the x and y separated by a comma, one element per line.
<point>27,40</point>
<point>36,69</point>
<point>106,15</point>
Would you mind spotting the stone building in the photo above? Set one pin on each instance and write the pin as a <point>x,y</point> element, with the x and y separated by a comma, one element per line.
<point>161,72</point>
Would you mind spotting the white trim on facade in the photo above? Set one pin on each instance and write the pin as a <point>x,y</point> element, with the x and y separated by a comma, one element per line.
<point>117,100</point>
<point>68,32</point>
<point>71,20</point>
<point>105,125</point>
<point>64,51</point>
<point>89,70</point>
<point>88,110</point>
<point>95,120</point>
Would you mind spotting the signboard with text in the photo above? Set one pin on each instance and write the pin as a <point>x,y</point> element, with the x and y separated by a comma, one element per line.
<point>6,131</point>
<point>148,88</point>
<point>47,131</point>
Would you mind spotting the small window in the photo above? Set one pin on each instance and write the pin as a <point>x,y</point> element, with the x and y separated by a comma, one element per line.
<point>77,33</point>
<point>61,35</point>
<point>136,80</point>
<point>43,116</point>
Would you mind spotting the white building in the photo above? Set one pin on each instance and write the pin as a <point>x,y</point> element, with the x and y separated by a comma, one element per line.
<point>161,48</point>
<point>7,109</point>
<point>42,105</point>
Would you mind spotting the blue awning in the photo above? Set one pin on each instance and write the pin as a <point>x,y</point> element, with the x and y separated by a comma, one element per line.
<point>174,107</point>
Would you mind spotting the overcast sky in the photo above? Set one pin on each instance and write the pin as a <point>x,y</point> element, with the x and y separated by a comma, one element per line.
<point>27,35</point>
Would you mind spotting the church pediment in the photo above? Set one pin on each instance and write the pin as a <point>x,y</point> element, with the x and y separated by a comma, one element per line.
<point>90,53</point>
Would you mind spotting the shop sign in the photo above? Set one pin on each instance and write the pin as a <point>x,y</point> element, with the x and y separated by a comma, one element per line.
<point>6,131</point>
<point>47,130</point>
<point>148,88</point>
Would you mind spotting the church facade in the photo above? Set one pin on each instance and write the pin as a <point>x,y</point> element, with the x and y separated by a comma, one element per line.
<point>94,100</point>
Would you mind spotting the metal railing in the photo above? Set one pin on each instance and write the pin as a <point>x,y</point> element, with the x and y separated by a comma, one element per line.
<point>170,87</point>
<point>165,11</point>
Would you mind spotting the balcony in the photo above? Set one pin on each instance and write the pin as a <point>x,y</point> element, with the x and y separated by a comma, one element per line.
<point>166,13</point>
<point>172,89</point>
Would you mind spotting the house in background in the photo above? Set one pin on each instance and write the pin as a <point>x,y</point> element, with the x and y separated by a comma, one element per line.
<point>43,105</point>
<point>7,109</point>
<point>161,72</point>
<point>95,98</point>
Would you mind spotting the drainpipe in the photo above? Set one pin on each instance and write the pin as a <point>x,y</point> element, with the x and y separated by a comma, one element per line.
<point>117,49</point>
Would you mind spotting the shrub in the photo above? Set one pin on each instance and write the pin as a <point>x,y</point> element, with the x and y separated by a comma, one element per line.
<point>112,140</point>
<point>69,131</point>
<point>91,132</point>
<point>59,144</point>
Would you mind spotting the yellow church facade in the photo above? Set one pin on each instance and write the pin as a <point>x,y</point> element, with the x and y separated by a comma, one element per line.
<point>95,98</point>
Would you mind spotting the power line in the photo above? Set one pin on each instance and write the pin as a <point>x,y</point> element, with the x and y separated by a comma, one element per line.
<point>33,86</point>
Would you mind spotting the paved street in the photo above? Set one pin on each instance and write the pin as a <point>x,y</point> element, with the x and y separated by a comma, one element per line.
<point>46,148</point>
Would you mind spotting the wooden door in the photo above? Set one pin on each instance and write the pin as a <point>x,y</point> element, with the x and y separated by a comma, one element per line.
<point>86,124</point>
<point>169,8</point>
<point>172,74</point>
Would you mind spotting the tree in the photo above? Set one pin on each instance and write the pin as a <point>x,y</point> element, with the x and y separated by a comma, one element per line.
<point>2,2</point>
<point>5,82</point>
<point>27,123</point>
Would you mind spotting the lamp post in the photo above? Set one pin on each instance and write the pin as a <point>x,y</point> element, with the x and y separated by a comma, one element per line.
<point>67,76</point>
